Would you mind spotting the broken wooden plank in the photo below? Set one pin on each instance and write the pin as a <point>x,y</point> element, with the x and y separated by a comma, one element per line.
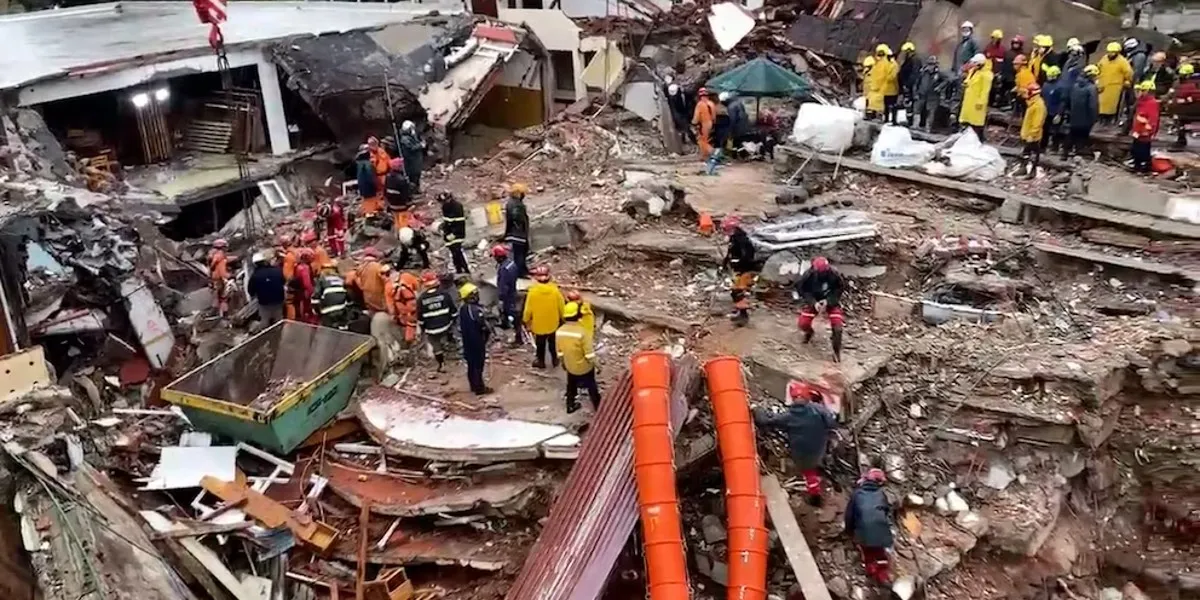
<point>1119,261</point>
<point>199,529</point>
<point>271,513</point>
<point>804,566</point>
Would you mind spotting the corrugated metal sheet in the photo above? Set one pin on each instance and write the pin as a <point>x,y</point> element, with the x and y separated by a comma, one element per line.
<point>597,509</point>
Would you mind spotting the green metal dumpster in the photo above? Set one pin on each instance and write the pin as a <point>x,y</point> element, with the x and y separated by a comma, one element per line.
<point>276,388</point>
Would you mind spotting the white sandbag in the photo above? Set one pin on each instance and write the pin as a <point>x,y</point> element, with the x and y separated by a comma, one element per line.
<point>969,159</point>
<point>825,128</point>
<point>895,149</point>
<point>1184,208</point>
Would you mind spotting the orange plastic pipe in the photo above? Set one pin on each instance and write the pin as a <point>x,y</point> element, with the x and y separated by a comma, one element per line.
<point>745,506</point>
<point>654,469</point>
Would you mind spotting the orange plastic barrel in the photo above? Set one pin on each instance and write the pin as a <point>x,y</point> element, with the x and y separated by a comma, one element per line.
<point>745,506</point>
<point>654,469</point>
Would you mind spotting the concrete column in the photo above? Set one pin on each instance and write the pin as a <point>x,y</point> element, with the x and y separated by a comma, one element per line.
<point>578,66</point>
<point>277,126</point>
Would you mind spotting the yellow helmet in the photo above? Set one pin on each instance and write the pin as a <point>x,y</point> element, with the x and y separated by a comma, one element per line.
<point>1091,70</point>
<point>883,49</point>
<point>1186,69</point>
<point>1044,41</point>
<point>1145,86</point>
<point>467,289</point>
<point>908,47</point>
<point>518,189</point>
<point>869,61</point>
<point>1113,47</point>
<point>997,34</point>
<point>571,309</point>
<point>1051,71</point>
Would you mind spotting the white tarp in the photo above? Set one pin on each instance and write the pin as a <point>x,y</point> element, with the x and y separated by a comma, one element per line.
<point>730,23</point>
<point>825,128</point>
<point>184,466</point>
<point>969,159</point>
<point>895,149</point>
<point>149,323</point>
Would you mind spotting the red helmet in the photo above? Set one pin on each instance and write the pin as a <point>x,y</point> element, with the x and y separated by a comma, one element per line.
<point>429,277</point>
<point>1018,39</point>
<point>799,390</point>
<point>702,92</point>
<point>728,224</point>
<point>372,252</point>
<point>499,252</point>
<point>820,263</point>
<point>541,273</point>
<point>396,164</point>
<point>309,236</point>
<point>220,243</point>
<point>307,254</point>
<point>875,474</point>
<point>573,296</point>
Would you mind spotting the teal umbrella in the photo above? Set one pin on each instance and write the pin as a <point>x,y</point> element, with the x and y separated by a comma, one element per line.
<point>761,77</point>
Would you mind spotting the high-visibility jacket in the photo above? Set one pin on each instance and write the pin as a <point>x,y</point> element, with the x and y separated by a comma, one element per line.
<point>543,308</point>
<point>454,222</point>
<point>436,311</point>
<point>320,255</point>
<point>873,87</point>
<point>330,295</point>
<point>575,349</point>
<point>891,78</point>
<point>1116,74</point>
<point>404,303</point>
<point>1025,77</point>
<point>368,278</point>
<point>1145,118</point>
<point>218,266</point>
<point>288,263</point>
<point>587,317</point>
<point>1037,58</point>
<point>975,96</point>
<point>1035,119</point>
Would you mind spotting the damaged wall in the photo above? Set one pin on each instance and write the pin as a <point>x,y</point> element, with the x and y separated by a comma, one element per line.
<point>517,99</point>
<point>861,26</point>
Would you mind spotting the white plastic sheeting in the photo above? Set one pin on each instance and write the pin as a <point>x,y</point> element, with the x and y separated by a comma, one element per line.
<point>968,159</point>
<point>895,149</point>
<point>825,128</point>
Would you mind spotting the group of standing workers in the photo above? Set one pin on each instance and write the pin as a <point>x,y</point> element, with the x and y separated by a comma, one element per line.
<point>719,124</point>
<point>1058,97</point>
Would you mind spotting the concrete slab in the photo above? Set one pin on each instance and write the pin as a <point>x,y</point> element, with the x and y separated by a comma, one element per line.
<point>395,495</point>
<point>641,99</point>
<point>1128,193</point>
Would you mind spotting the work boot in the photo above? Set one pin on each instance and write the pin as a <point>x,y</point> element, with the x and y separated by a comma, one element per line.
<point>539,364</point>
<point>741,318</point>
<point>441,362</point>
<point>572,406</point>
<point>835,340</point>
<point>483,392</point>
<point>808,336</point>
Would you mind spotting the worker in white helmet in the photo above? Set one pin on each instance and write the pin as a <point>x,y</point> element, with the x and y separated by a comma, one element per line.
<point>412,150</point>
<point>967,46</point>
<point>681,113</point>
<point>412,240</point>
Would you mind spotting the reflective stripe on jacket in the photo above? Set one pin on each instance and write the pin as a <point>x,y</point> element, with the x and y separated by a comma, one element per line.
<point>574,347</point>
<point>331,294</point>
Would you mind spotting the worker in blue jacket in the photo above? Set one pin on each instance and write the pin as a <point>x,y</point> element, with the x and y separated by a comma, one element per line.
<point>507,274</point>
<point>869,520</point>
<point>475,335</point>
<point>807,424</point>
<point>1054,94</point>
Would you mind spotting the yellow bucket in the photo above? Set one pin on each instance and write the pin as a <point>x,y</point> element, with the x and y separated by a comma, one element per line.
<point>495,213</point>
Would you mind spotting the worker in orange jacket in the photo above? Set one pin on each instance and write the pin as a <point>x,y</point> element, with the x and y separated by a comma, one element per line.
<point>309,240</point>
<point>703,118</point>
<point>304,287</point>
<point>218,272</point>
<point>370,278</point>
<point>285,253</point>
<point>380,164</point>
<point>404,305</point>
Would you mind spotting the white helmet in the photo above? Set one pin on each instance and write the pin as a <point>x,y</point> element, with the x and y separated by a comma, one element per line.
<point>1131,43</point>
<point>723,96</point>
<point>408,126</point>
<point>978,59</point>
<point>259,257</point>
<point>673,89</point>
<point>967,25</point>
<point>406,235</point>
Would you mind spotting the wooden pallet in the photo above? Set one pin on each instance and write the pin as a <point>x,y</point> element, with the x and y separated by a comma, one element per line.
<point>208,136</point>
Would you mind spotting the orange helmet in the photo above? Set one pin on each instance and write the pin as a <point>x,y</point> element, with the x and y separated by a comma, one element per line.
<point>573,296</point>
<point>799,390</point>
<point>541,273</point>
<point>309,236</point>
<point>429,278</point>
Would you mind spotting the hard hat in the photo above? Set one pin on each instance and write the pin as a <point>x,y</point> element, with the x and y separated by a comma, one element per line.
<point>396,164</point>
<point>467,289</point>
<point>258,257</point>
<point>702,92</point>
<point>868,62</point>
<point>1020,59</point>
<point>728,224</point>
<point>541,273</point>
<point>1091,70</point>
<point>997,34</point>
<point>723,97</point>
<point>1112,47</point>
<point>408,126</point>
<point>908,47</point>
<point>1018,39</point>
<point>876,475</point>
<point>820,263</point>
<point>1045,41</point>
<point>571,310</point>
<point>309,236</point>
<point>1145,86</point>
<point>673,89</point>
<point>1074,43</point>
<point>499,251</point>
<point>429,278</point>
<point>518,189</point>
<point>306,254</point>
<point>967,25</point>
<point>799,390</point>
<point>220,243</point>
<point>1033,88</point>
<point>1051,71</point>
<point>979,59</point>
<point>406,235</point>
<point>1159,57</point>
<point>883,49</point>
<point>573,296</point>
<point>1130,43</point>
<point>1187,69</point>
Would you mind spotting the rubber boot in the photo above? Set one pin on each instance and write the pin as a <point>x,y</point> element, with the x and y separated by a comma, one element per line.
<point>835,339</point>
<point>741,318</point>
<point>808,336</point>
<point>441,361</point>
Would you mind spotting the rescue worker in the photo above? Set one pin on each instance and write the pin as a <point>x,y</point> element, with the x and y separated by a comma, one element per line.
<point>333,215</point>
<point>1182,102</point>
<point>266,285</point>
<point>1023,79</point>
<point>1115,74</point>
<point>330,297</point>
<point>412,150</point>
<point>1160,75</point>
<point>891,82</point>
<point>370,277</point>
<point>305,287</point>
<point>543,314</point>
<point>996,52</point>
<point>872,88</point>
<point>820,290</point>
<point>436,311</point>
<point>1007,75</point>
<point>869,520</point>
<point>574,346</point>
<point>1145,126</point>
<point>399,194</point>
<point>287,257</point>
<point>681,113</point>
<point>1082,112</point>
<point>1074,63</point>
<point>910,67</point>
<point>412,241</point>
<point>506,289</point>
<point>1032,131</point>
<point>475,335</point>
<point>369,188</point>
<point>218,273</point>
<point>587,316</point>
<point>404,305</point>
<point>1054,93</point>
<point>739,121</point>
<point>703,118</point>
<point>516,227</point>
<point>308,239</point>
<point>976,88</point>
<point>454,230</point>
<point>807,422</point>
<point>1137,55</point>
<point>927,93</point>
<point>721,131</point>
<point>380,163</point>
<point>1042,56</point>
<point>967,47</point>
<point>739,259</point>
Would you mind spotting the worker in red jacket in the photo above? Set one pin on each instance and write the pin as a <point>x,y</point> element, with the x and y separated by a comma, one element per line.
<point>334,217</point>
<point>303,283</point>
<point>218,270</point>
<point>1184,102</point>
<point>1145,126</point>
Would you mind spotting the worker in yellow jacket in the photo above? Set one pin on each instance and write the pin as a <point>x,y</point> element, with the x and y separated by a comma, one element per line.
<point>578,353</point>
<point>873,86</point>
<point>1022,80</point>
<point>976,88</point>
<point>1032,127</point>
<point>543,314</point>
<point>587,316</point>
<point>1116,74</point>
<point>891,82</point>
